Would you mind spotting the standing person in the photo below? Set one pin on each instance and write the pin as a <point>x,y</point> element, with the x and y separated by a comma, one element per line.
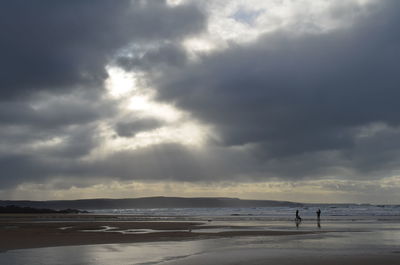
<point>298,218</point>
<point>319,214</point>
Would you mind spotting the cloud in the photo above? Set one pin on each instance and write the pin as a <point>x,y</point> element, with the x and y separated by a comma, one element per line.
<point>292,94</point>
<point>170,161</point>
<point>285,105</point>
<point>161,162</point>
<point>47,111</point>
<point>53,104</point>
<point>129,129</point>
<point>56,45</point>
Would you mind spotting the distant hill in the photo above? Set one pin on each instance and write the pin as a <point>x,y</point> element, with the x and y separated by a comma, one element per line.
<point>18,209</point>
<point>149,202</point>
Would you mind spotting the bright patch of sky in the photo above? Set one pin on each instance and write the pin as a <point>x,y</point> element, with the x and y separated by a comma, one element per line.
<point>244,21</point>
<point>137,102</point>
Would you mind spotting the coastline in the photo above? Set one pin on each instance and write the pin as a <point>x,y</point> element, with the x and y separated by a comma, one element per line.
<point>50,230</point>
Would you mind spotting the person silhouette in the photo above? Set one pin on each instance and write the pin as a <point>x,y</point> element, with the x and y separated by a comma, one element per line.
<point>318,214</point>
<point>298,218</point>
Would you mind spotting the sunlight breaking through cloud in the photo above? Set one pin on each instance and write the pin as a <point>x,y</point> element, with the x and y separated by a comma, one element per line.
<point>291,99</point>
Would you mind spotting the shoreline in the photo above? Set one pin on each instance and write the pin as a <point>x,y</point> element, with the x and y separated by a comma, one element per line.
<point>38,231</point>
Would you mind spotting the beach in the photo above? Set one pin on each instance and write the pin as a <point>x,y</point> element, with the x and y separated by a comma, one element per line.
<point>49,230</point>
<point>95,239</point>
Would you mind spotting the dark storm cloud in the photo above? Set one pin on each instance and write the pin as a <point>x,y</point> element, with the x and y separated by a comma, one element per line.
<point>53,64</point>
<point>33,168</point>
<point>290,94</point>
<point>60,44</point>
<point>131,128</point>
<point>48,126</point>
<point>53,113</point>
<point>16,169</point>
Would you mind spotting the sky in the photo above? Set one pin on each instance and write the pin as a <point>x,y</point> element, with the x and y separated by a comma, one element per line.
<point>279,100</point>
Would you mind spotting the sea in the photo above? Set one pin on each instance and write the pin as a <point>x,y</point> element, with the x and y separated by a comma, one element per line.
<point>329,212</point>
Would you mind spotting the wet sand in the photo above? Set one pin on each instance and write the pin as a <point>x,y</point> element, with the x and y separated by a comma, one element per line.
<point>117,239</point>
<point>287,257</point>
<point>36,231</point>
